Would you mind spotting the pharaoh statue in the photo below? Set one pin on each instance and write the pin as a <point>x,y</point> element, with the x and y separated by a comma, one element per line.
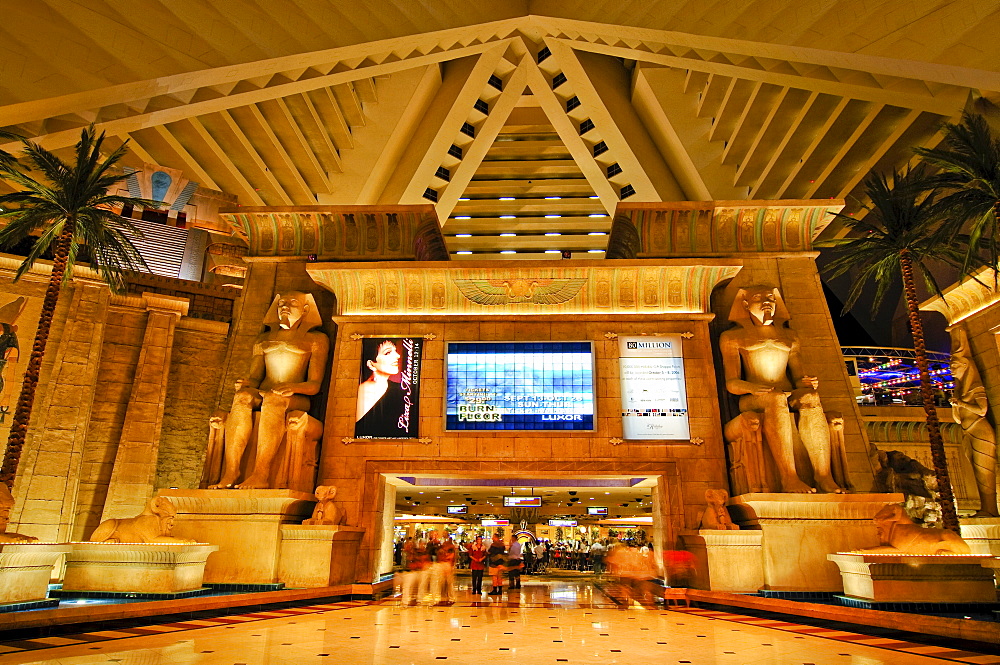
<point>970,408</point>
<point>269,436</point>
<point>762,364</point>
<point>6,503</point>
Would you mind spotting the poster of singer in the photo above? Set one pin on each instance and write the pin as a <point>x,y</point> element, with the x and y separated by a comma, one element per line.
<point>389,392</point>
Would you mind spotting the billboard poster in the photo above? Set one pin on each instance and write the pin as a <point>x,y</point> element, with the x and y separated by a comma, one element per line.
<point>389,389</point>
<point>654,399</point>
<point>520,386</point>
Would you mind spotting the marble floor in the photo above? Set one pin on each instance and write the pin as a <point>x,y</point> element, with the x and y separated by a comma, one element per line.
<point>551,620</point>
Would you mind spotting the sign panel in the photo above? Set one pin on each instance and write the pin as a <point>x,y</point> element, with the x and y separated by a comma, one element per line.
<point>522,501</point>
<point>654,399</point>
<point>520,386</point>
<point>389,392</point>
<point>495,522</point>
<point>457,510</point>
<point>597,510</point>
<point>562,522</point>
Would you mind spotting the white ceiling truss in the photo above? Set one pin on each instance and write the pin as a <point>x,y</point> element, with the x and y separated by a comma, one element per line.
<point>524,132</point>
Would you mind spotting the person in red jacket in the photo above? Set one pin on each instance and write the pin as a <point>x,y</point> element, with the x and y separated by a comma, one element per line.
<point>477,564</point>
<point>446,553</point>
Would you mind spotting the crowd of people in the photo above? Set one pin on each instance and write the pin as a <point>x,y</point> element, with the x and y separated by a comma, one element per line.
<point>428,564</point>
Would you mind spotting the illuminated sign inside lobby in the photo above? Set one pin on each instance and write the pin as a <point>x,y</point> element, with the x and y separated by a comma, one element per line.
<point>495,522</point>
<point>520,386</point>
<point>562,522</point>
<point>388,404</point>
<point>654,399</point>
<point>522,501</point>
<point>457,510</point>
<point>597,510</point>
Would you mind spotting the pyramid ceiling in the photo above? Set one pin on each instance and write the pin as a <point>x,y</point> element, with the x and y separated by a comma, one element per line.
<point>518,120</point>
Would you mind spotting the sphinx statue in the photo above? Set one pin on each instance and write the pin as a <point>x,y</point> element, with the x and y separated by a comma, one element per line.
<point>898,534</point>
<point>763,366</point>
<point>970,409</point>
<point>6,503</point>
<point>269,436</point>
<point>152,525</point>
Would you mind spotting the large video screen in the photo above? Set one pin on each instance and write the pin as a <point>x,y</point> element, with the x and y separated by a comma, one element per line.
<point>520,386</point>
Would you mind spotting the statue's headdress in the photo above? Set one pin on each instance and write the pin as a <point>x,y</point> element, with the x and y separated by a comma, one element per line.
<point>12,310</point>
<point>739,314</point>
<point>310,319</point>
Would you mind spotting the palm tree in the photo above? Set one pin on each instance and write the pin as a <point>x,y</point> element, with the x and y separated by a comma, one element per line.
<point>68,206</point>
<point>902,234</point>
<point>968,159</point>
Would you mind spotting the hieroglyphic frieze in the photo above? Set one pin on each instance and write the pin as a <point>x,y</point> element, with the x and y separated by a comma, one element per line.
<point>340,232</point>
<point>673,286</point>
<point>649,230</point>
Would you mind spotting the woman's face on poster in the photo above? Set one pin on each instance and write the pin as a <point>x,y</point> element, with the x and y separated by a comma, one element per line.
<point>386,360</point>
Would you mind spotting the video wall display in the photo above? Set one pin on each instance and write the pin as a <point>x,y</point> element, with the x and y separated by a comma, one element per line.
<point>520,386</point>
<point>522,501</point>
<point>389,391</point>
<point>654,398</point>
<point>458,510</point>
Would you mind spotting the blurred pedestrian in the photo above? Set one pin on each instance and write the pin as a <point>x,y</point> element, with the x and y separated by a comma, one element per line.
<point>477,564</point>
<point>496,557</point>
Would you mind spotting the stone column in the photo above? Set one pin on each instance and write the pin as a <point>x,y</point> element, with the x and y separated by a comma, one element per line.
<point>48,481</point>
<point>135,462</point>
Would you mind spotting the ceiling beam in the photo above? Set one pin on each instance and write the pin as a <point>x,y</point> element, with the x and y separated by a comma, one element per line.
<point>220,155</point>
<point>62,139</point>
<point>845,147</point>
<point>808,152</point>
<point>191,165</point>
<point>779,149</point>
<point>289,166</point>
<point>264,170</point>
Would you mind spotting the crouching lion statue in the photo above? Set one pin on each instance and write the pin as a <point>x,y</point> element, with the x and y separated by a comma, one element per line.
<point>153,525</point>
<point>899,535</point>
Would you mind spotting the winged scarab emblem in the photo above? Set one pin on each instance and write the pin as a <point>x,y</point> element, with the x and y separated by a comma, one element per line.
<point>504,291</point>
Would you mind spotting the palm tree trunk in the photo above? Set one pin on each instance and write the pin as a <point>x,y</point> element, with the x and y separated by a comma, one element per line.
<point>22,412</point>
<point>947,498</point>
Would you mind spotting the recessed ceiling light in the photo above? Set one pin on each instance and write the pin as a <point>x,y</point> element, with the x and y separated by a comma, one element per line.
<point>508,217</point>
<point>464,217</point>
<point>553,251</point>
<point>597,214</point>
<point>553,198</point>
<point>553,233</point>
<point>597,233</point>
<point>464,199</point>
<point>595,251</point>
<point>463,252</point>
<point>552,216</point>
<point>463,235</point>
<point>595,197</point>
<point>506,198</point>
<point>508,251</point>
<point>507,235</point>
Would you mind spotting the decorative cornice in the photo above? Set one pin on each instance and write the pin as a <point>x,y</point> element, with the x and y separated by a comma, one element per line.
<point>904,431</point>
<point>585,287</point>
<point>713,228</point>
<point>340,233</point>
<point>965,298</point>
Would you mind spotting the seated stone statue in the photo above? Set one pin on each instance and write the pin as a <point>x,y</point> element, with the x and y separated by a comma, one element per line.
<point>268,436</point>
<point>153,525</point>
<point>899,535</point>
<point>716,515</point>
<point>762,364</point>
<point>326,511</point>
<point>6,503</point>
<point>970,408</point>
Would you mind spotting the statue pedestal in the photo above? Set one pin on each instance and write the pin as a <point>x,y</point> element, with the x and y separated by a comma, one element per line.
<point>135,567</point>
<point>25,570</point>
<point>982,534</point>
<point>800,530</point>
<point>244,524</point>
<point>318,555</point>
<point>909,578</point>
<point>727,560</point>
